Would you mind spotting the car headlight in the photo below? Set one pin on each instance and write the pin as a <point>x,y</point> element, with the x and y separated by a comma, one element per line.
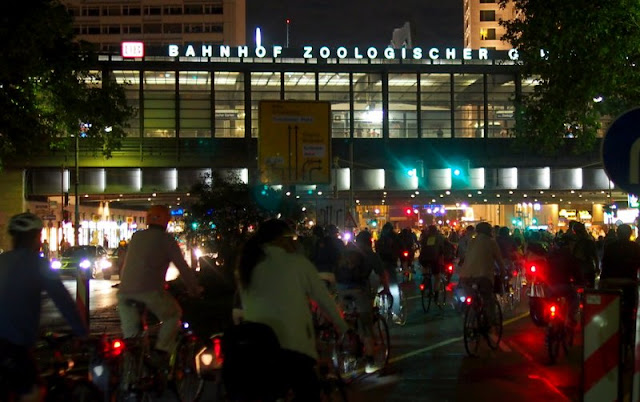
<point>85,264</point>
<point>56,264</point>
<point>104,264</point>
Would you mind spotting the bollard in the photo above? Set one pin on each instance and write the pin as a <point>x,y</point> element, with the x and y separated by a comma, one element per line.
<point>82,294</point>
<point>601,356</point>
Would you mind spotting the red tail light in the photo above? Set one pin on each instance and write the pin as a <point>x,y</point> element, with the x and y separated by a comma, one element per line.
<point>422,287</point>
<point>217,349</point>
<point>468,301</point>
<point>406,253</point>
<point>515,273</point>
<point>117,346</point>
<point>533,269</point>
<point>552,310</point>
<point>450,268</point>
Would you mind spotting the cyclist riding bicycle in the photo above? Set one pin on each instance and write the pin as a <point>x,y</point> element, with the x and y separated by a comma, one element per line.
<point>479,265</point>
<point>352,279</point>
<point>23,277</point>
<point>432,252</point>
<point>388,248</point>
<point>562,274</point>
<point>143,280</point>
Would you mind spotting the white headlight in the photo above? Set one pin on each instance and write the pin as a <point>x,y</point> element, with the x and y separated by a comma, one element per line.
<point>56,264</point>
<point>463,298</point>
<point>105,264</point>
<point>85,264</point>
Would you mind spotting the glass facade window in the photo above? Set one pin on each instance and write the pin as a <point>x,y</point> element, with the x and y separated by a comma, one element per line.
<point>300,86</point>
<point>229,104</point>
<point>159,104</point>
<point>488,34</point>
<point>435,105</point>
<point>468,107</point>
<point>195,104</point>
<point>487,15</point>
<point>334,87</point>
<point>403,99</point>
<point>501,94</point>
<point>367,105</point>
<point>264,86</point>
<point>131,82</point>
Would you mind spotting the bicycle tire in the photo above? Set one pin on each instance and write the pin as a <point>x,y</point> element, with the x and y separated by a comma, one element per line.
<point>497,325</point>
<point>187,382</point>
<point>426,295</point>
<point>441,295</point>
<point>471,331</point>
<point>401,318</point>
<point>552,344</point>
<point>381,337</point>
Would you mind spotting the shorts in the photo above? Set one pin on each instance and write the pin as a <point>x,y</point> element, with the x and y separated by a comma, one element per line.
<point>18,369</point>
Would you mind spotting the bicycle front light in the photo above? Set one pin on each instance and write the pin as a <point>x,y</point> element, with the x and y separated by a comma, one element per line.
<point>55,264</point>
<point>85,264</point>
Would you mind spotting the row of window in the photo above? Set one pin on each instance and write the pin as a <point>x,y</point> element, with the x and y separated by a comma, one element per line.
<point>167,28</point>
<point>117,10</point>
<point>418,105</point>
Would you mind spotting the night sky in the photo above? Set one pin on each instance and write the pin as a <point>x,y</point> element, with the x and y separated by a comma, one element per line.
<point>355,22</point>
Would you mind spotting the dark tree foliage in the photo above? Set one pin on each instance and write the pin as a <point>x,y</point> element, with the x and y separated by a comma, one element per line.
<point>584,55</point>
<point>47,88</point>
<point>225,208</point>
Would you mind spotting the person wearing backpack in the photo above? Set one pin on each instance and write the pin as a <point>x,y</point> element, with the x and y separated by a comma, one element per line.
<point>432,252</point>
<point>388,248</point>
<point>276,284</point>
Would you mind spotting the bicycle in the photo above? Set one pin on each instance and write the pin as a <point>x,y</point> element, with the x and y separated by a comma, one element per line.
<point>558,332</point>
<point>141,379</point>
<point>427,293</point>
<point>350,349</point>
<point>476,323</point>
<point>384,302</point>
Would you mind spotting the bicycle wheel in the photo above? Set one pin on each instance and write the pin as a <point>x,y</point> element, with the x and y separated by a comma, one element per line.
<point>426,294</point>
<point>188,384</point>
<point>345,356</point>
<point>494,330</point>
<point>471,331</point>
<point>441,295</point>
<point>381,342</point>
<point>552,343</point>
<point>401,318</point>
<point>384,303</point>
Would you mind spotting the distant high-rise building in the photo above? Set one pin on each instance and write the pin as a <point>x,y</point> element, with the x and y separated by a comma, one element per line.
<point>482,24</point>
<point>158,22</point>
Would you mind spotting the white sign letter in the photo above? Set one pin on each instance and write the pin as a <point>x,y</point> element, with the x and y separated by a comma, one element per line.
<point>325,52</point>
<point>417,53</point>
<point>173,51</point>
<point>342,52</point>
<point>483,54</point>
<point>450,53</point>
<point>261,51</point>
<point>190,51</point>
<point>513,54</point>
<point>243,51</point>
<point>307,52</point>
<point>225,51</point>
<point>389,53</point>
<point>403,52</point>
<point>372,52</point>
<point>277,50</point>
<point>356,53</point>
<point>207,51</point>
<point>466,54</point>
<point>434,53</point>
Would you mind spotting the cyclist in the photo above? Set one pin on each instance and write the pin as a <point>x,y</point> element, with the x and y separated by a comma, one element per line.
<point>388,248</point>
<point>148,257</point>
<point>275,286</point>
<point>325,253</point>
<point>408,243</point>
<point>479,265</point>
<point>463,244</point>
<point>562,274</point>
<point>620,264</point>
<point>352,279</point>
<point>586,252</point>
<point>432,250</point>
<point>23,277</point>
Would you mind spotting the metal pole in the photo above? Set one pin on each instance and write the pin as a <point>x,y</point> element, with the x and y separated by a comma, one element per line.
<point>76,222</point>
<point>288,32</point>
<point>84,275</point>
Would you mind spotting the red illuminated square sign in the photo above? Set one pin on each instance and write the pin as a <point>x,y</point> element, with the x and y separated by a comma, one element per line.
<point>132,49</point>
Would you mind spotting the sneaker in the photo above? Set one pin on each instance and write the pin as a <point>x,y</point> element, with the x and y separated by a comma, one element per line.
<point>370,365</point>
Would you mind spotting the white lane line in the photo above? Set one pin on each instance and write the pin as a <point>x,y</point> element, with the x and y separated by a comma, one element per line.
<point>447,342</point>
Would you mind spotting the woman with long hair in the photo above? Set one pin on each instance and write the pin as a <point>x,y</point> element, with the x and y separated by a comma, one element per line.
<point>276,284</point>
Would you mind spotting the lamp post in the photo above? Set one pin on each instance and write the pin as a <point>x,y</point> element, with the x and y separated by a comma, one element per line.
<point>76,222</point>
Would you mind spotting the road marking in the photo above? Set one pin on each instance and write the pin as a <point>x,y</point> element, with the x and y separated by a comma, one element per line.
<point>447,342</point>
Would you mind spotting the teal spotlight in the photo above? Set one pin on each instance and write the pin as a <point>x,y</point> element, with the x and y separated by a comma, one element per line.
<point>456,172</point>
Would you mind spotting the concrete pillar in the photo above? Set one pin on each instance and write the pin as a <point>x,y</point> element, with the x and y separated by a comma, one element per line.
<point>12,201</point>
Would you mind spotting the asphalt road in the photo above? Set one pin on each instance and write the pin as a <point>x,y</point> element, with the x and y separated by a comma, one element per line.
<point>428,359</point>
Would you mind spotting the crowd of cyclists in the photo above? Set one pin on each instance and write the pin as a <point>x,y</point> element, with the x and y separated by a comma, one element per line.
<point>279,269</point>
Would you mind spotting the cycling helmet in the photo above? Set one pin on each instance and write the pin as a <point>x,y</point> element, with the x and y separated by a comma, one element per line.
<point>25,222</point>
<point>158,215</point>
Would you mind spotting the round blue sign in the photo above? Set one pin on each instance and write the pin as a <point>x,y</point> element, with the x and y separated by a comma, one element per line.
<point>621,151</point>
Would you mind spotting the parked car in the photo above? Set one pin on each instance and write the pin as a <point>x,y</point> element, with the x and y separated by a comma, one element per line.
<point>93,259</point>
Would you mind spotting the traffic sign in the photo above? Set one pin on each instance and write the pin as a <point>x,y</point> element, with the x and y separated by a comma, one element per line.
<point>621,151</point>
<point>294,144</point>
